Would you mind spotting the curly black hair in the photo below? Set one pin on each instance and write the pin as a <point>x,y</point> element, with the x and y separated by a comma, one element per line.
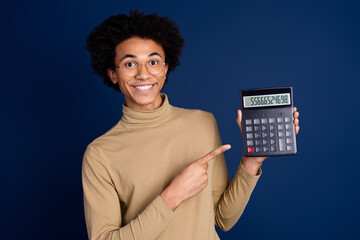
<point>102,41</point>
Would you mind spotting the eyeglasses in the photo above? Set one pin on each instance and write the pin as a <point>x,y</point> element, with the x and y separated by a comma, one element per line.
<point>132,69</point>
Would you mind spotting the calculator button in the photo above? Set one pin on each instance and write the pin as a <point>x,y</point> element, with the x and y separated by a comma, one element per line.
<point>280,120</point>
<point>288,134</point>
<point>272,134</point>
<point>273,148</point>
<point>256,121</point>
<point>289,148</point>
<point>248,121</point>
<point>288,140</point>
<point>287,119</point>
<point>271,120</point>
<point>264,135</point>
<point>263,128</point>
<point>281,127</point>
<point>282,144</point>
<point>265,142</point>
<point>271,127</point>
<point>264,120</point>
<point>257,142</point>
<point>265,149</point>
<point>256,128</point>
<point>281,134</point>
<point>250,142</point>
<point>250,149</point>
<point>257,149</point>
<point>272,141</point>
<point>249,129</point>
<point>249,135</point>
<point>257,135</point>
<point>287,126</point>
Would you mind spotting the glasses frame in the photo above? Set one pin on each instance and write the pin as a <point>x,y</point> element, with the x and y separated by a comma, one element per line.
<point>139,67</point>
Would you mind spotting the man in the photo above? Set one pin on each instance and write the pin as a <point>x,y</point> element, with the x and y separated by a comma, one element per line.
<point>160,172</point>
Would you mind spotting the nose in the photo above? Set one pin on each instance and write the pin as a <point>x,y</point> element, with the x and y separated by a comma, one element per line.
<point>143,72</point>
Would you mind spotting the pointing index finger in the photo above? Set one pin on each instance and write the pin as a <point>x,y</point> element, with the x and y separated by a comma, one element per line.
<point>214,153</point>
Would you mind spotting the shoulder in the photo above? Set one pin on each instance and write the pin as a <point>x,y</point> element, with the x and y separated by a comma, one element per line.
<point>195,117</point>
<point>100,144</point>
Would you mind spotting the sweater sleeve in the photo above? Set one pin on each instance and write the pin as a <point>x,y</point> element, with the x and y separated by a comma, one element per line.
<point>230,199</point>
<point>103,209</point>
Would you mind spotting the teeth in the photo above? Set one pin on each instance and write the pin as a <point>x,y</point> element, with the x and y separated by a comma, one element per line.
<point>145,87</point>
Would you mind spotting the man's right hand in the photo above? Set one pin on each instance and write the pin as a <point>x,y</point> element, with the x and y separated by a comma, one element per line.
<point>191,180</point>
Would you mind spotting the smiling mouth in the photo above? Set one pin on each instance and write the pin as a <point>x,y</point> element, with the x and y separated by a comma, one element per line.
<point>144,87</point>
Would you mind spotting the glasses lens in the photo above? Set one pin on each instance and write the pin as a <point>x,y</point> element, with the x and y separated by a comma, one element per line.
<point>130,68</point>
<point>155,67</point>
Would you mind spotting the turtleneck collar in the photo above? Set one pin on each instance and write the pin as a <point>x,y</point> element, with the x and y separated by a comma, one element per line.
<point>146,118</point>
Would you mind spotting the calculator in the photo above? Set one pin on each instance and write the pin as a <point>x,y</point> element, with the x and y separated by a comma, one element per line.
<point>267,122</point>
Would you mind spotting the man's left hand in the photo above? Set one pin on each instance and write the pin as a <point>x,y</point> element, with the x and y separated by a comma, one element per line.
<point>252,164</point>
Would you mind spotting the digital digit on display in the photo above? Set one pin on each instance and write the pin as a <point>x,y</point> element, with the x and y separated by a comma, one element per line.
<point>267,100</point>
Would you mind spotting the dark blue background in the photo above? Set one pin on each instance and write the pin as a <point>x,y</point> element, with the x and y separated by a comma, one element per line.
<point>52,106</point>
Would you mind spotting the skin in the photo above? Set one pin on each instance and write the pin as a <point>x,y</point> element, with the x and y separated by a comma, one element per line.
<point>193,178</point>
<point>141,51</point>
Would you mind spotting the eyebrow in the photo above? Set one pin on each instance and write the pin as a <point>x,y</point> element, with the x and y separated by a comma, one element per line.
<point>127,56</point>
<point>155,54</point>
<point>133,56</point>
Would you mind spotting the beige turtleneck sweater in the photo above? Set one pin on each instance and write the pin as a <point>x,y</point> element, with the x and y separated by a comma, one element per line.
<point>126,169</point>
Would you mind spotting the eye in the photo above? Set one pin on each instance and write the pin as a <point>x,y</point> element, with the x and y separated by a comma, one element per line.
<point>153,62</point>
<point>130,64</point>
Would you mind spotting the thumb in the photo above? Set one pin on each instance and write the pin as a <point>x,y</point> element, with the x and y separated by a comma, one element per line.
<point>239,119</point>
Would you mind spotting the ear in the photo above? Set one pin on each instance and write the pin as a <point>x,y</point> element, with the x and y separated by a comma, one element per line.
<point>112,75</point>
<point>166,68</point>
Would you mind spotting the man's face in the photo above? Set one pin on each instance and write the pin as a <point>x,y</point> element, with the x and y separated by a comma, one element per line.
<point>141,91</point>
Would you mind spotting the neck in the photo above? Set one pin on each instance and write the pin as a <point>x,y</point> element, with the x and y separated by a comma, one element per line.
<point>133,117</point>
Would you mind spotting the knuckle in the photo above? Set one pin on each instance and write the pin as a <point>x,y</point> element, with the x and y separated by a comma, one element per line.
<point>216,152</point>
<point>201,159</point>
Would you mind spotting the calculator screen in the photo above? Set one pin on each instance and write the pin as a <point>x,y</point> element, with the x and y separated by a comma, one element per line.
<point>267,122</point>
<point>266,100</point>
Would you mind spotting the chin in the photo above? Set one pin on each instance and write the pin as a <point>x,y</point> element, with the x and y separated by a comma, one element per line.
<point>145,102</point>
